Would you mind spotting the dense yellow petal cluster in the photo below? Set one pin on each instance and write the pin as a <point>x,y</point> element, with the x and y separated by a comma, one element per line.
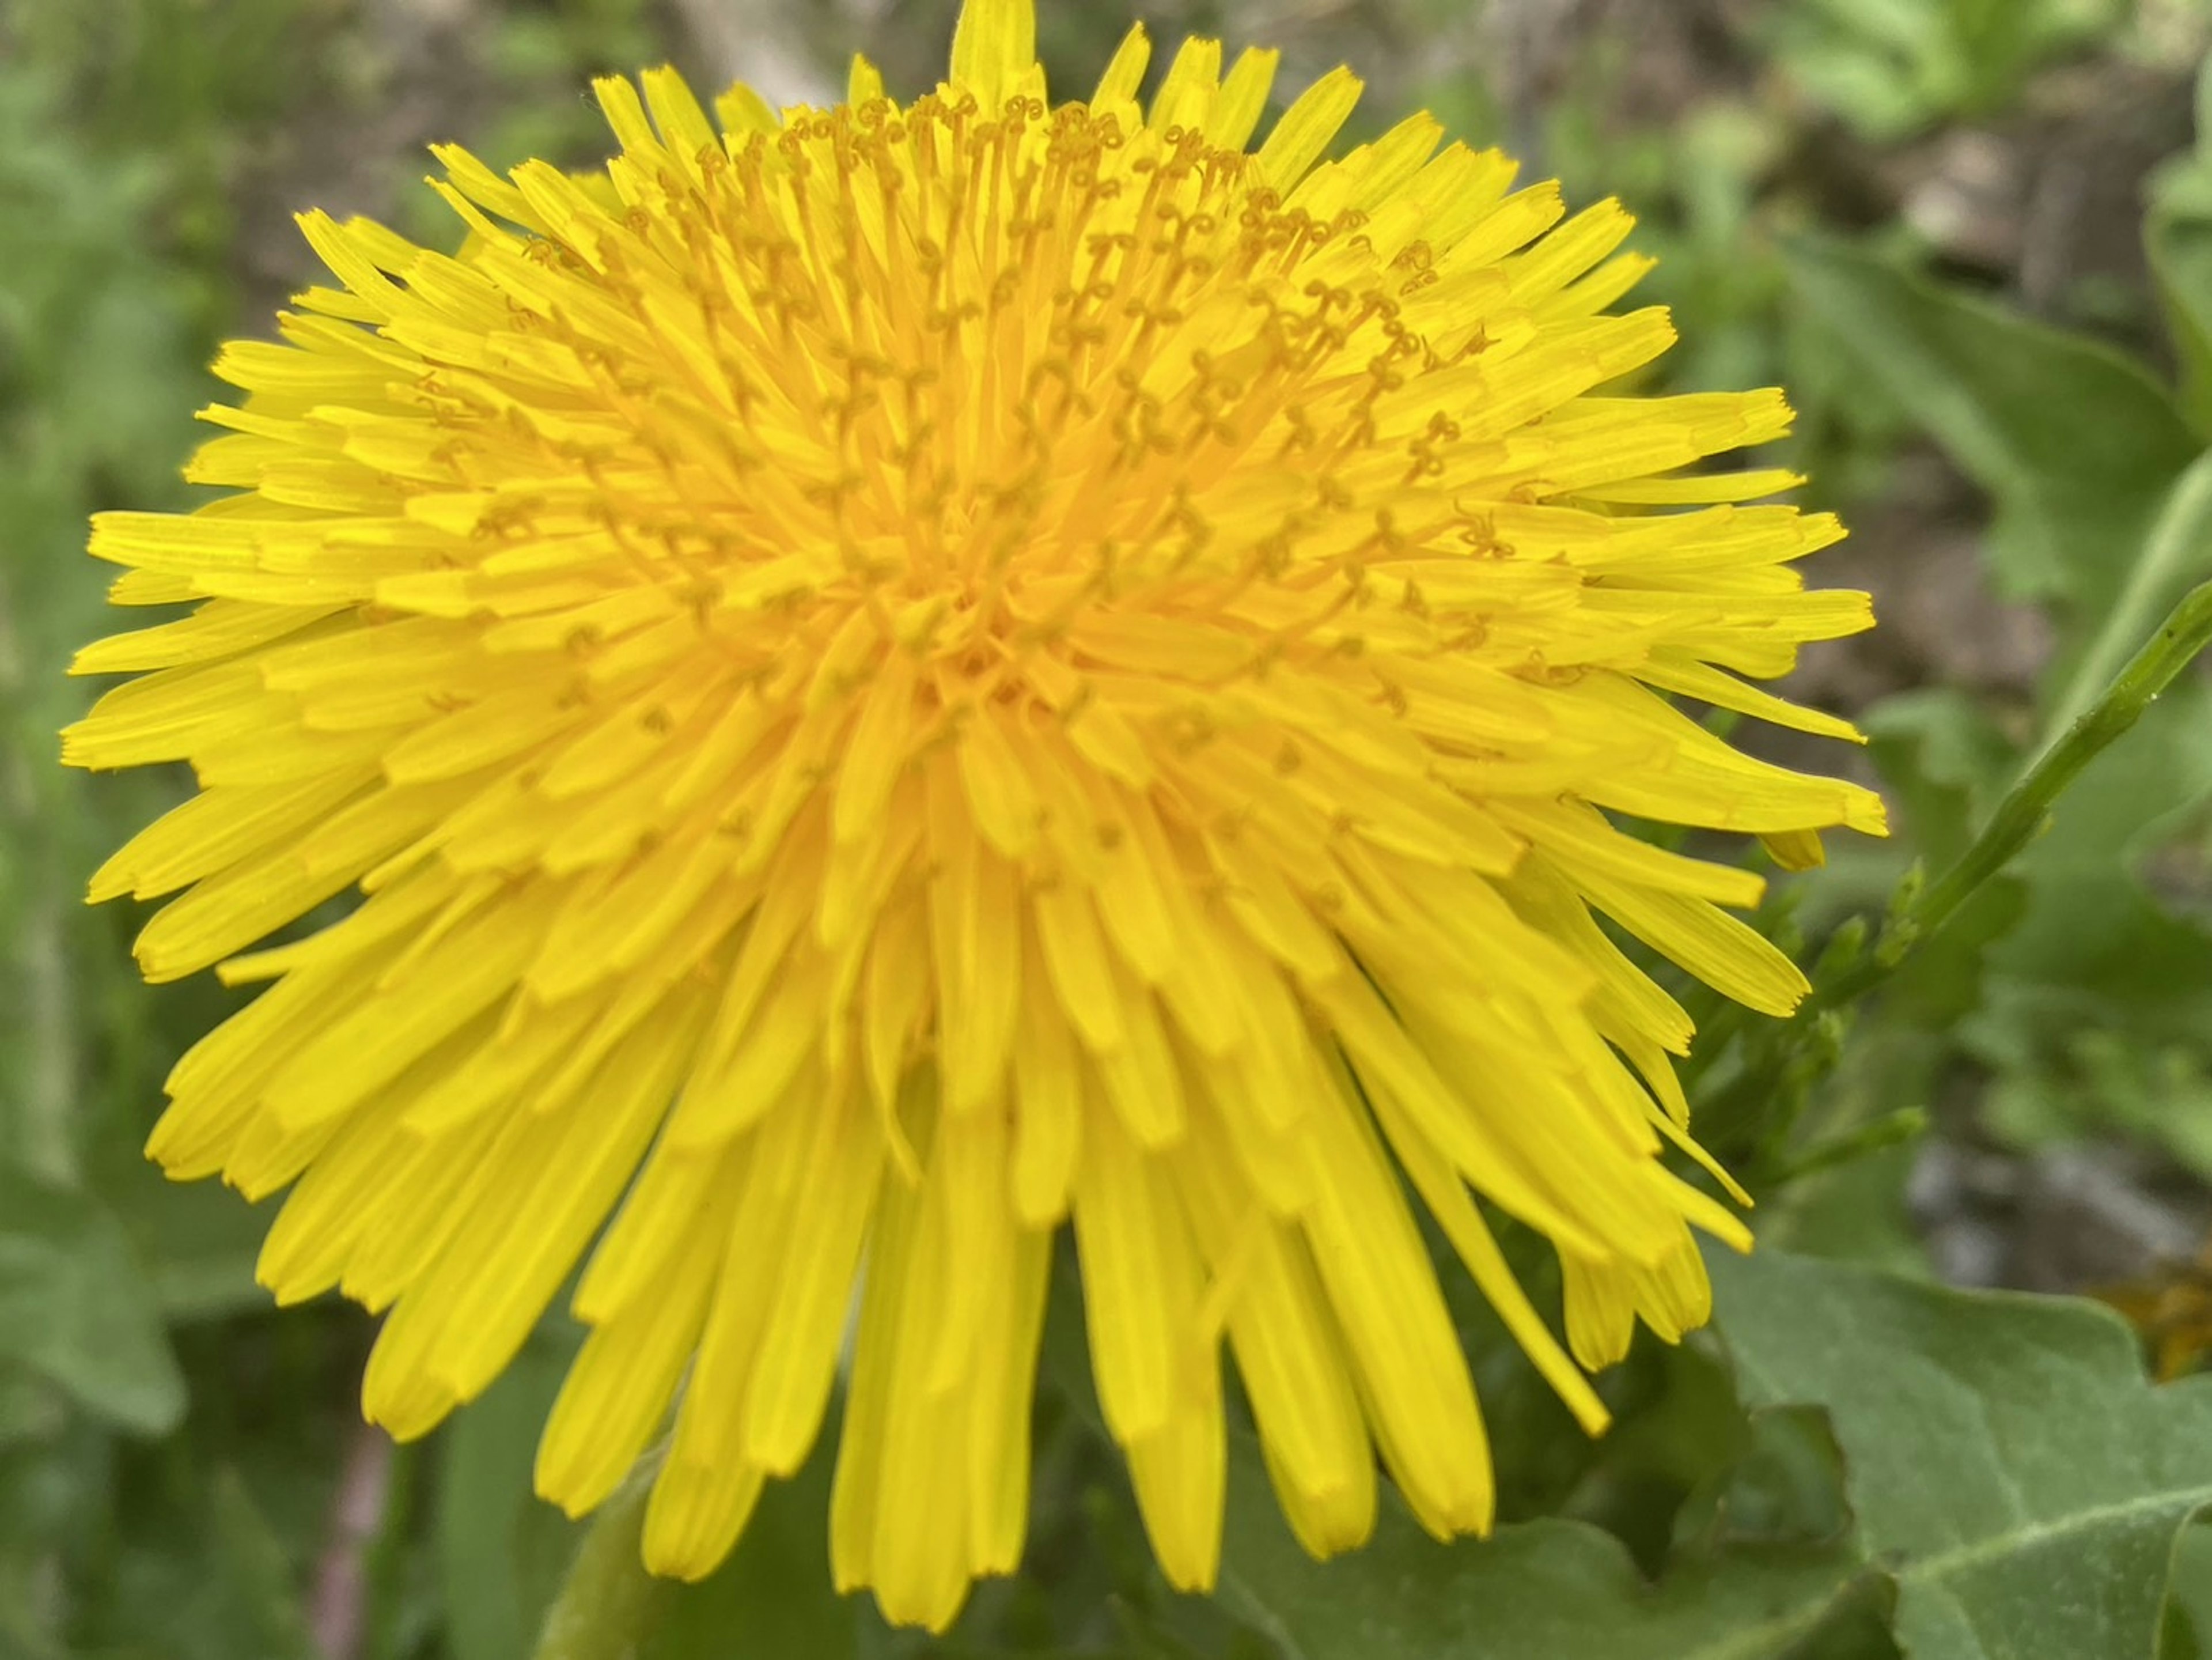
<point>893,676</point>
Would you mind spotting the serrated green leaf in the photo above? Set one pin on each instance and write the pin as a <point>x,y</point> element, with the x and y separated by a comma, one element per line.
<point>2008,1461</point>
<point>77,1307</point>
<point>1562,1589</point>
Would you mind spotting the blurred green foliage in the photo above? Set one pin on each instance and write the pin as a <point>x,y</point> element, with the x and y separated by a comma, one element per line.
<point>1854,1463</point>
<point>1894,68</point>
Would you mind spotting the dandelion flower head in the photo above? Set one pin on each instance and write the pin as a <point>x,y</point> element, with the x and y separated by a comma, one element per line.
<point>880,679</point>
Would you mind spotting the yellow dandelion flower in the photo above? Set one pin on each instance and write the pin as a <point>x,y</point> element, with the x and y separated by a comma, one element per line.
<point>891,677</point>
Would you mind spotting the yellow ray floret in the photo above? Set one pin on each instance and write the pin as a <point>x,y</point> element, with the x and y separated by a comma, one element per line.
<point>885,678</point>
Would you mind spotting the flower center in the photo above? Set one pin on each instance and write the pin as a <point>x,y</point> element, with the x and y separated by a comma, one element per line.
<point>990,382</point>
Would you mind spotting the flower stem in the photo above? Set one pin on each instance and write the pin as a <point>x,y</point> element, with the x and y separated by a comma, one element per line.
<point>608,1604</point>
<point>2020,817</point>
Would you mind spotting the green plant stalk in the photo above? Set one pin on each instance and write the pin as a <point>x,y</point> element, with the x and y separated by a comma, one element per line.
<point>2020,817</point>
<point>608,1604</point>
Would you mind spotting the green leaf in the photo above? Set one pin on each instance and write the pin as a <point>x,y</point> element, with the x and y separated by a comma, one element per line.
<point>1891,67</point>
<point>773,1596</point>
<point>2178,237</point>
<point>77,1307</point>
<point>253,1572</point>
<point>2175,556</point>
<point>2094,947</point>
<point>2009,1464</point>
<point>2188,1628</point>
<point>2077,444</point>
<point>1944,765</point>
<point>191,1564</point>
<point>502,1550</point>
<point>1559,1589</point>
<point>2105,508</point>
<point>2049,1094</point>
<point>1943,761</point>
<point>198,1241</point>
